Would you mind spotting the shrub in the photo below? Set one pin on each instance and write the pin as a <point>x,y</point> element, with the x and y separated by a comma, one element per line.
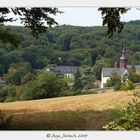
<point>11,91</point>
<point>16,72</point>
<point>28,77</point>
<point>67,93</point>
<point>47,85</point>
<point>117,87</point>
<point>113,80</point>
<point>3,94</point>
<point>9,99</point>
<point>129,119</point>
<point>127,85</point>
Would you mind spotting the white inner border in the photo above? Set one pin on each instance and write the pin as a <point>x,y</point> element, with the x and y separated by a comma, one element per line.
<point>94,135</point>
<point>65,3</point>
<point>58,135</point>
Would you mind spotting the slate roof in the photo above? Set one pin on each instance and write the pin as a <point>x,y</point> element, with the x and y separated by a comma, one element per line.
<point>123,58</point>
<point>136,66</point>
<point>65,69</point>
<point>108,71</point>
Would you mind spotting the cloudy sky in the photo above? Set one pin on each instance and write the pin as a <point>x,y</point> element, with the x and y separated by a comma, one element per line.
<point>87,16</point>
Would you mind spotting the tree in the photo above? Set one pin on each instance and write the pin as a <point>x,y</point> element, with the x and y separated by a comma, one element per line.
<point>27,77</point>
<point>90,59</point>
<point>6,36</point>
<point>111,18</point>
<point>77,81</point>
<point>10,57</point>
<point>3,94</point>
<point>98,67</point>
<point>64,41</point>
<point>33,18</point>
<point>47,85</point>
<point>16,72</point>
<point>113,80</point>
<point>127,85</point>
<point>133,75</point>
<point>1,69</point>
<point>11,94</point>
<point>88,79</point>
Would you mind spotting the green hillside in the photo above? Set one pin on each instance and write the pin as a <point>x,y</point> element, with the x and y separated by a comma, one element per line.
<point>75,45</point>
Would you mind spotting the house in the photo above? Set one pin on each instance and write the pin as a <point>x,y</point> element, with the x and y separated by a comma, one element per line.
<point>67,71</point>
<point>121,70</point>
<point>2,82</point>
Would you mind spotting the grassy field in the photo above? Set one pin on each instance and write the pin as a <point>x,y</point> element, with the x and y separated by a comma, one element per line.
<point>85,112</point>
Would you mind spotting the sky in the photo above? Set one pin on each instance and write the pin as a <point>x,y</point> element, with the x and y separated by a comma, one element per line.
<point>87,16</point>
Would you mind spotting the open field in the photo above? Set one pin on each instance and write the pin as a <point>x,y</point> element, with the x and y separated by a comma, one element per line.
<point>85,112</point>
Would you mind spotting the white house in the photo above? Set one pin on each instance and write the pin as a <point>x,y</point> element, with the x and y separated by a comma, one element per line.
<point>67,71</point>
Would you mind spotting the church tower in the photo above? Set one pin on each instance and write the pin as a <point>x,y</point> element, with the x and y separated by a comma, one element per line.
<point>123,59</point>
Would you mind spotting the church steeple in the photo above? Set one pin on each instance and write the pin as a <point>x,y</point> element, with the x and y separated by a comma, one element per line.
<point>123,59</point>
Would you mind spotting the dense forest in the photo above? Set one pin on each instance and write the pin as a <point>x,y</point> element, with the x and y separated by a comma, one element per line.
<point>75,46</point>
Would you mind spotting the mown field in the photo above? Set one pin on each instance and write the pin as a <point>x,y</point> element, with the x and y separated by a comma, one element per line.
<point>85,112</point>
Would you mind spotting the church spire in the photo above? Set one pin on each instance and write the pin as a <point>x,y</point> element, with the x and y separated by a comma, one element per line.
<point>123,59</point>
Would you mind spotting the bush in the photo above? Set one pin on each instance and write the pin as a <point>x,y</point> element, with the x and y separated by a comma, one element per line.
<point>113,80</point>
<point>16,72</point>
<point>127,85</point>
<point>28,77</point>
<point>28,91</point>
<point>117,87</point>
<point>9,99</point>
<point>11,91</point>
<point>129,119</point>
<point>47,85</point>
<point>3,94</point>
<point>67,93</point>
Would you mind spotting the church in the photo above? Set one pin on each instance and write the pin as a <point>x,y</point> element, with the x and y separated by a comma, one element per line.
<point>121,69</point>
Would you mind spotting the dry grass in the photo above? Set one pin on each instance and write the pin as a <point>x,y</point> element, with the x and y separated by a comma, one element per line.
<point>85,112</point>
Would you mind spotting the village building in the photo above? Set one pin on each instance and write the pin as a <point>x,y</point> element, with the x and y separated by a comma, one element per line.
<point>2,82</point>
<point>66,71</point>
<point>121,69</point>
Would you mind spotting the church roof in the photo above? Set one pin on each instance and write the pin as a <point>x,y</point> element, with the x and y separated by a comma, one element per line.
<point>108,71</point>
<point>136,66</point>
<point>123,58</point>
<point>123,55</point>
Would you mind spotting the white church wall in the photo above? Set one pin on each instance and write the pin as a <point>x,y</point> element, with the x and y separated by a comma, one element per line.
<point>104,80</point>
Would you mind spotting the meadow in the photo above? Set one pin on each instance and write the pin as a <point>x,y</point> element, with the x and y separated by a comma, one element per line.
<point>83,112</point>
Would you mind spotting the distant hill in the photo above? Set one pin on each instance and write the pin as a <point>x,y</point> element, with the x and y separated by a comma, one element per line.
<point>74,44</point>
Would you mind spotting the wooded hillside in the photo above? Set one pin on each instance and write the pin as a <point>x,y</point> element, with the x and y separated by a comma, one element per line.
<point>75,45</point>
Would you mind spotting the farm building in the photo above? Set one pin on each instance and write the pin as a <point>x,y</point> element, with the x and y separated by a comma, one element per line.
<point>67,71</point>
